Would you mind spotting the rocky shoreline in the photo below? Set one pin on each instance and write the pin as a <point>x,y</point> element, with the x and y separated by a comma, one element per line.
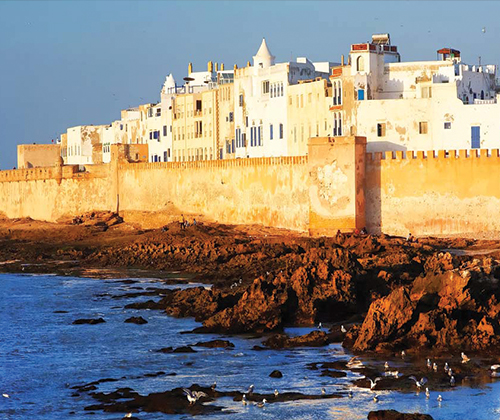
<point>390,294</point>
<point>382,297</point>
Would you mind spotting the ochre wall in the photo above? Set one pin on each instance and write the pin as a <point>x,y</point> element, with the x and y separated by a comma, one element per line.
<point>428,194</point>
<point>336,193</point>
<point>37,155</point>
<point>433,193</point>
<point>268,191</point>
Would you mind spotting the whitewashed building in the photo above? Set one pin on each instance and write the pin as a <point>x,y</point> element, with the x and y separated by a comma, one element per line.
<point>425,105</point>
<point>261,96</point>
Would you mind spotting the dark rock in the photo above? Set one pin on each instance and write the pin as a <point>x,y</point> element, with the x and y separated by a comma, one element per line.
<point>313,339</point>
<point>184,349</point>
<point>396,415</point>
<point>333,373</point>
<point>276,374</point>
<point>215,343</point>
<point>136,320</point>
<point>60,312</point>
<point>91,321</point>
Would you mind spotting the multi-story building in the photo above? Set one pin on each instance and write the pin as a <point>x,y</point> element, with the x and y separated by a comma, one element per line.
<point>261,94</point>
<point>427,105</point>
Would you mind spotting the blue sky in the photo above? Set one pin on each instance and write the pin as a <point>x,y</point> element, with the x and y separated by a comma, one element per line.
<point>66,63</point>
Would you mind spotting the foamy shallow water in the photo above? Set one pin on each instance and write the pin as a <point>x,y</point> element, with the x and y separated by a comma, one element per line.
<point>42,355</point>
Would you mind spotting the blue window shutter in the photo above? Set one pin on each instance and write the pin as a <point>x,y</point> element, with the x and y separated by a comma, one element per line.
<point>361,95</point>
<point>475,137</point>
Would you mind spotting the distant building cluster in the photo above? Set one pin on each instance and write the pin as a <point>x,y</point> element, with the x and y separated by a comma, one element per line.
<point>272,109</point>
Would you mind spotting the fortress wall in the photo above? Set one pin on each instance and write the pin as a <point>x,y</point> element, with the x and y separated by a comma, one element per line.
<point>50,193</point>
<point>268,191</point>
<point>433,193</point>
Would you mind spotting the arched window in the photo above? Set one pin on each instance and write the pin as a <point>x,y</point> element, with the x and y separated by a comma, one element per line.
<point>482,94</point>
<point>334,93</point>
<point>360,63</point>
<point>339,129</point>
<point>339,94</point>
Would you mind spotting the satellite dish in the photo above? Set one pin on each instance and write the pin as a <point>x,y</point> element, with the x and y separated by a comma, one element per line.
<point>188,79</point>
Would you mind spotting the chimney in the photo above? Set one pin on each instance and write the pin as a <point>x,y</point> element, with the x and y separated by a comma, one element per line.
<point>342,60</point>
<point>210,66</point>
<point>190,68</point>
<point>221,66</point>
<point>216,66</point>
<point>248,63</point>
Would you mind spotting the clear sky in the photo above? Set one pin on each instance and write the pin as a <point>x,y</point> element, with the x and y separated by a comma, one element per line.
<point>67,63</point>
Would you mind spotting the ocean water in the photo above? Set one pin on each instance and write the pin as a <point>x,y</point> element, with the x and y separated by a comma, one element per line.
<point>42,355</point>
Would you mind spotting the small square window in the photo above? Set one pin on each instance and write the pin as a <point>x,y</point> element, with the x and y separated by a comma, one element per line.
<point>447,125</point>
<point>422,127</point>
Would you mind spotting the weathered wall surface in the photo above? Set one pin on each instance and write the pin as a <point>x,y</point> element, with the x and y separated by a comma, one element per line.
<point>268,191</point>
<point>37,155</point>
<point>47,194</point>
<point>433,194</point>
<point>336,193</point>
<point>426,194</point>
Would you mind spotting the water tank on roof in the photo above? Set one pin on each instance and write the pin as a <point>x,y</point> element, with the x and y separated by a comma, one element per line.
<point>381,39</point>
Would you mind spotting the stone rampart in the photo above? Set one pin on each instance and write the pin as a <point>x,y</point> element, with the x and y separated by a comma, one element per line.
<point>433,193</point>
<point>426,193</point>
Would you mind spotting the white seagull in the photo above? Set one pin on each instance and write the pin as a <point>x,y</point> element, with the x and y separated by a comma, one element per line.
<point>495,367</point>
<point>435,367</point>
<point>350,394</point>
<point>276,393</point>
<point>261,404</point>
<point>420,383</point>
<point>452,381</point>
<point>429,363</point>
<point>446,367</point>
<point>427,393</point>
<point>6,395</point>
<point>354,363</point>
<point>127,416</point>
<point>323,391</point>
<point>373,383</point>
<point>375,398</point>
<point>244,399</point>
<point>440,398</point>
<point>250,390</point>
<point>386,365</point>
<point>193,396</point>
<point>342,329</point>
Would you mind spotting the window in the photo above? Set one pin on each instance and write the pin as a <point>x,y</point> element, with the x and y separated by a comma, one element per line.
<point>447,125</point>
<point>265,87</point>
<point>422,127</point>
<point>361,95</point>
<point>281,131</point>
<point>270,131</point>
<point>121,126</point>
<point>339,92</point>
<point>244,140</point>
<point>360,63</point>
<point>230,117</point>
<point>158,112</point>
<point>281,89</point>
<point>251,136</point>
<point>241,100</point>
<point>381,130</point>
<point>260,135</point>
<point>302,101</point>
<point>150,135</point>
<point>150,112</point>
<point>246,120</point>
<point>164,131</point>
<point>427,92</point>
<point>232,144</point>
